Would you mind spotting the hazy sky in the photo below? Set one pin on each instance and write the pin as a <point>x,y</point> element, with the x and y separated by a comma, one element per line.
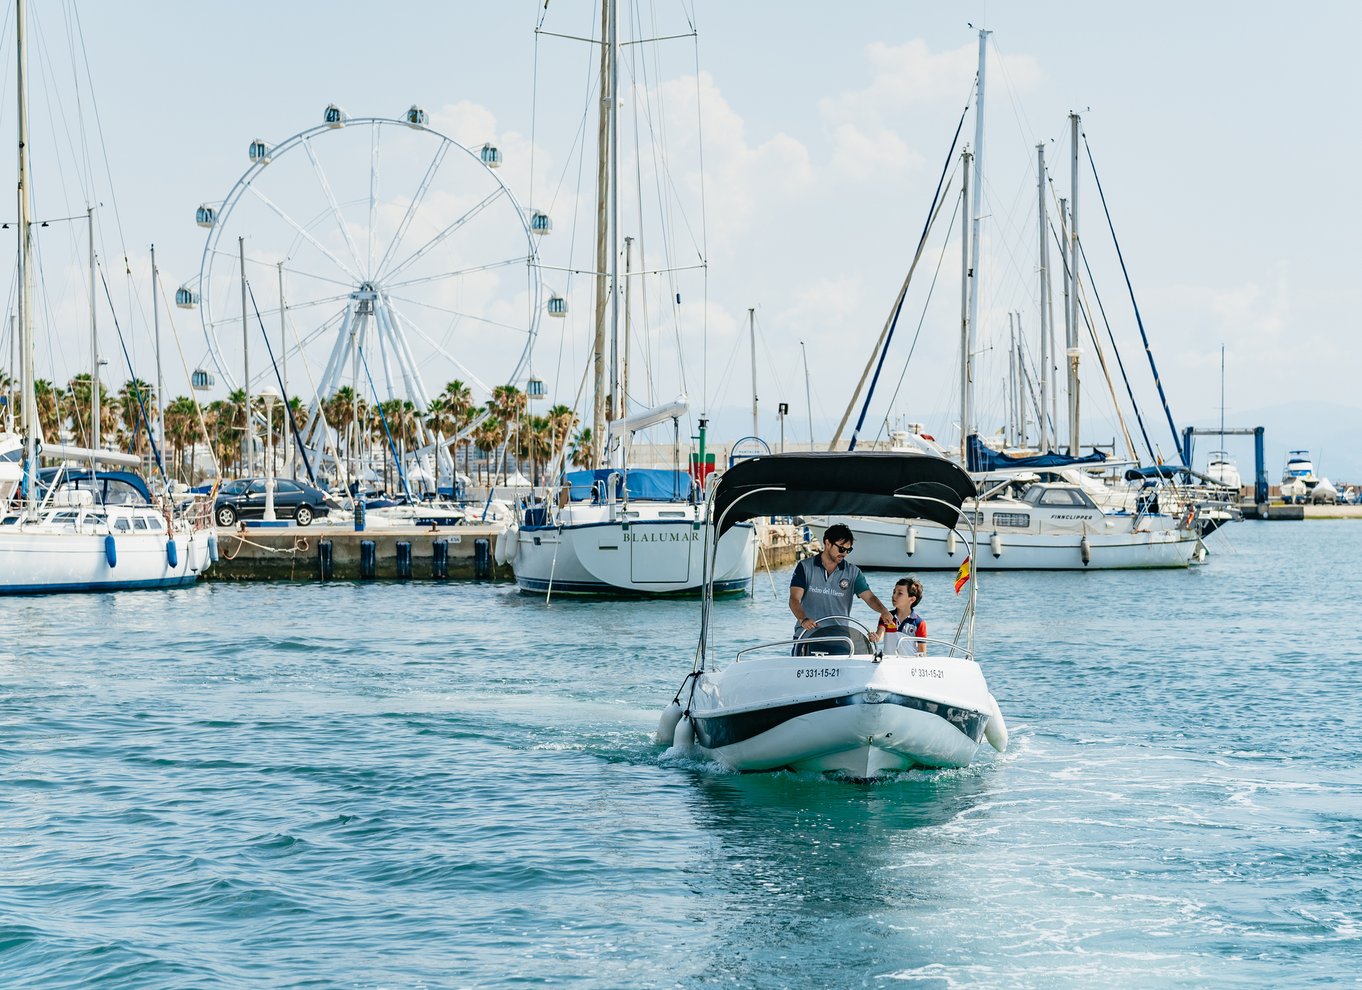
<point>1224,135</point>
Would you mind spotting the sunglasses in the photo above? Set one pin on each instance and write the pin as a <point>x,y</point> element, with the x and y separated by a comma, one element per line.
<point>845,549</point>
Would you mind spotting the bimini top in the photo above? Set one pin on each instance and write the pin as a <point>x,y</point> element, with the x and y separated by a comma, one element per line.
<point>110,487</point>
<point>894,484</point>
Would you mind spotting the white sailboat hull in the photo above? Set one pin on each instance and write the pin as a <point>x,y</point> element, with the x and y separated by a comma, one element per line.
<point>40,562</point>
<point>887,544</point>
<point>853,715</point>
<point>656,549</point>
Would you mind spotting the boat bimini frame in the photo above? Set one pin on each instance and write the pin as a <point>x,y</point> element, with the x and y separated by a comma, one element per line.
<point>899,485</point>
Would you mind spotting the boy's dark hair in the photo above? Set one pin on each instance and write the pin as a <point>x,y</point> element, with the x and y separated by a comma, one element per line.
<point>914,587</point>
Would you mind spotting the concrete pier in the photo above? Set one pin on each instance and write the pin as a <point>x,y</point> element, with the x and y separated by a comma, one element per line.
<point>1278,510</point>
<point>339,553</point>
<point>417,553</point>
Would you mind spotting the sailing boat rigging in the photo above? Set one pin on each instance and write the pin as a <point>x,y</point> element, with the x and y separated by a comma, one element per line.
<point>1066,524</point>
<point>79,529</point>
<point>618,528</point>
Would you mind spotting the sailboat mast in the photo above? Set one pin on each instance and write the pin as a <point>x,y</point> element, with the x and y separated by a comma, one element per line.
<point>247,434</point>
<point>94,339</point>
<point>752,336</point>
<point>31,425</point>
<point>615,410</point>
<point>622,407</point>
<point>1068,311</point>
<point>1222,395</point>
<point>598,424</point>
<point>975,213</point>
<point>964,312</point>
<point>1044,256</point>
<point>160,380</point>
<point>1075,308</point>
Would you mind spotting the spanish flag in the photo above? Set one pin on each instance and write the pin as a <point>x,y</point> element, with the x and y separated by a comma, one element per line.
<point>961,576</point>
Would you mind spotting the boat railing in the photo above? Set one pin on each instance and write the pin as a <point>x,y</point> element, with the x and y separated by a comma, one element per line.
<point>905,648</point>
<point>788,646</point>
<point>197,512</point>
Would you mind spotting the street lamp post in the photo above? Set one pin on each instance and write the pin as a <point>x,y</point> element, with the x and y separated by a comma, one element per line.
<point>269,394</point>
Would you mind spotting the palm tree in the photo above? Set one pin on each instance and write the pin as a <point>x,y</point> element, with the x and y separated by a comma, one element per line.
<point>137,422</point>
<point>439,419</point>
<point>460,400</point>
<point>583,449</point>
<point>182,430</point>
<point>508,405</point>
<point>49,408</point>
<point>343,412</point>
<point>536,444</point>
<point>223,420</point>
<point>78,400</point>
<point>489,435</point>
<point>561,422</point>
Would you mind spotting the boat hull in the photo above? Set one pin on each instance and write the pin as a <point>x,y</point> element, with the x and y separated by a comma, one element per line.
<point>864,718</point>
<point>882,543</point>
<point>41,563</point>
<point>646,555</point>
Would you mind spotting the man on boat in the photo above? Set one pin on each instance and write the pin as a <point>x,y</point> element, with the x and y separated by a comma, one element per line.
<point>824,585</point>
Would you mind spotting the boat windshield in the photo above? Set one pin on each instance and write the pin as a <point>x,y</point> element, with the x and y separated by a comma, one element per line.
<point>1064,498</point>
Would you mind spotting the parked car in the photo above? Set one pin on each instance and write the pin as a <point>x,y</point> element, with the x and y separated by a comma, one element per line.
<point>245,499</point>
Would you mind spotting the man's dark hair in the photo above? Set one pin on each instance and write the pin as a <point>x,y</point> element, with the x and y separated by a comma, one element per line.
<point>838,533</point>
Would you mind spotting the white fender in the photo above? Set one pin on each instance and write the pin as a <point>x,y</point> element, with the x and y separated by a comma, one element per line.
<point>684,737</point>
<point>995,729</point>
<point>1085,550</point>
<point>910,540</point>
<point>666,725</point>
<point>950,544</point>
<point>995,543</point>
<point>507,544</point>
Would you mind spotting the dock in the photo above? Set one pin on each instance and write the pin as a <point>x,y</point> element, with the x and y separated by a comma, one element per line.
<point>340,553</point>
<point>1282,511</point>
<point>285,552</point>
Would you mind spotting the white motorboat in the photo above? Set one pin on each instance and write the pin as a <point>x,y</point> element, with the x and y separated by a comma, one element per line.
<point>1051,527</point>
<point>1220,467</point>
<point>1324,493</point>
<point>1298,477</point>
<point>832,700</point>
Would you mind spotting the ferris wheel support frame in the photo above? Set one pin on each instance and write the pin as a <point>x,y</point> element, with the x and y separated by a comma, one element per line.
<point>389,325</point>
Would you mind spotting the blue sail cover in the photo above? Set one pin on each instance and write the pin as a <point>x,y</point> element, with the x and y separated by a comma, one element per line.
<point>655,483</point>
<point>983,459</point>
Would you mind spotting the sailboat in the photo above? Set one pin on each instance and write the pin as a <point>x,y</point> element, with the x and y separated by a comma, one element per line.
<point>1031,522</point>
<point>620,529</point>
<point>88,527</point>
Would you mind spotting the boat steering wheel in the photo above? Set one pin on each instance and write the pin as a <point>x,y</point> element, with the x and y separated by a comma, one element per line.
<point>858,633</point>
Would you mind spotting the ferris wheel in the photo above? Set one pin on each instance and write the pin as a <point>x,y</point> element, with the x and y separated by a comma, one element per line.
<point>374,254</point>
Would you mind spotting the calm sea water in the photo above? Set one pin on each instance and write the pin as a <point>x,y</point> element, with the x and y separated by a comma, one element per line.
<point>422,786</point>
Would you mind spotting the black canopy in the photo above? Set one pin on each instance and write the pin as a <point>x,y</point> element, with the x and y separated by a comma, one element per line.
<point>899,485</point>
